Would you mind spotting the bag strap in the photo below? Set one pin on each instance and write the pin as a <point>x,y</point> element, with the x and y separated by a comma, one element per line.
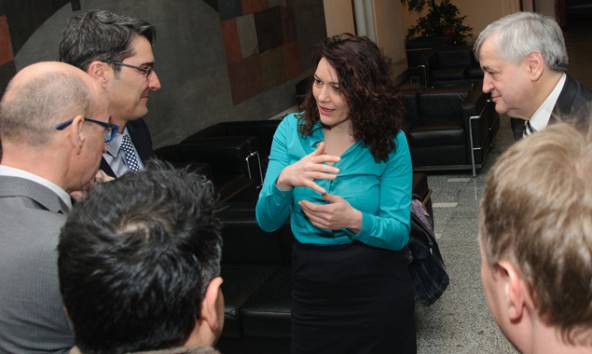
<point>419,210</point>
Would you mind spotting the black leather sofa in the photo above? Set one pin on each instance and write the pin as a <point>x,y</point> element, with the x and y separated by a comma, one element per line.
<point>449,128</point>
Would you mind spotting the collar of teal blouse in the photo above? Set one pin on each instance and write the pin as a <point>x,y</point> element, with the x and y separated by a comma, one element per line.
<point>316,136</point>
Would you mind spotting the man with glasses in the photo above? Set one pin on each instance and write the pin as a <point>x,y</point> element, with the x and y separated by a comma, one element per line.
<point>116,51</point>
<point>54,121</point>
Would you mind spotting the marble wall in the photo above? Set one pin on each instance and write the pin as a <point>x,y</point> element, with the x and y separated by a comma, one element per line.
<point>218,60</point>
<point>261,46</point>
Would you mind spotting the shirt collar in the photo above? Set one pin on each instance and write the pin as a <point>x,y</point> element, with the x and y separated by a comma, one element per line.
<point>114,145</point>
<point>316,135</point>
<point>15,172</point>
<point>541,117</point>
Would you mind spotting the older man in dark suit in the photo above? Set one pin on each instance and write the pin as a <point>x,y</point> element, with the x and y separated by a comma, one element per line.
<point>116,51</point>
<point>54,121</point>
<point>524,59</point>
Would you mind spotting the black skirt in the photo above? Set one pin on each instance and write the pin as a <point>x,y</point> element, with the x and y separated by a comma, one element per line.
<point>351,299</point>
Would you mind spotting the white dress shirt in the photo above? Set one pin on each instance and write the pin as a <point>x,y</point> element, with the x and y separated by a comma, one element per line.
<point>540,118</point>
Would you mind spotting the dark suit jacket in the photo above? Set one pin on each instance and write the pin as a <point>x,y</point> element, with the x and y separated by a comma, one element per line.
<point>31,311</point>
<point>574,103</point>
<point>140,135</point>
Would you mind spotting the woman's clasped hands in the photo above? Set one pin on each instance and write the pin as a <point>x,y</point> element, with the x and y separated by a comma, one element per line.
<point>338,214</point>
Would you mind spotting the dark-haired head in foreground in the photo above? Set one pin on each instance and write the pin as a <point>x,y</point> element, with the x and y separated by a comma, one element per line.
<point>139,263</point>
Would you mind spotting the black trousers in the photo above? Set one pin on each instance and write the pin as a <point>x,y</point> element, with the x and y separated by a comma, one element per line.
<point>351,299</point>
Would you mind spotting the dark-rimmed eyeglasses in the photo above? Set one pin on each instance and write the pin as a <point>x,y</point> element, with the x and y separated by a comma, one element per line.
<point>147,70</point>
<point>108,134</point>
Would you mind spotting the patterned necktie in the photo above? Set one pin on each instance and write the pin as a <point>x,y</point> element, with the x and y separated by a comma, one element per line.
<point>129,154</point>
<point>528,129</point>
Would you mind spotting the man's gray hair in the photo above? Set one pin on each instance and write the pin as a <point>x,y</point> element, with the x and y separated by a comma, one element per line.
<point>521,33</point>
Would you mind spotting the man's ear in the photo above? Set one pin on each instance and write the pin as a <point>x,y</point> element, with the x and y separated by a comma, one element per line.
<point>77,135</point>
<point>516,295</point>
<point>535,64</point>
<point>210,304</point>
<point>99,71</point>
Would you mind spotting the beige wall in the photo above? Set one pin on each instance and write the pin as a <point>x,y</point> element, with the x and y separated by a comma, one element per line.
<point>389,33</point>
<point>392,19</point>
<point>339,16</point>
<point>545,7</point>
<point>527,5</point>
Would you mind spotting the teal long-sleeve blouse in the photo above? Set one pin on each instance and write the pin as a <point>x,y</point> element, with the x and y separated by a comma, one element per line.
<point>381,191</point>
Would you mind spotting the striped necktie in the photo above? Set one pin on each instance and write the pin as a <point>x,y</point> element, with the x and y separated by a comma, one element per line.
<point>528,129</point>
<point>129,154</point>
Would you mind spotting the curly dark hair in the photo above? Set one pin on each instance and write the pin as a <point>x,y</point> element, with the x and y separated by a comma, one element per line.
<point>376,108</point>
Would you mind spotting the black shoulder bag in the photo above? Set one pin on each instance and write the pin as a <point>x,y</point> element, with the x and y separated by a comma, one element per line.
<point>426,266</point>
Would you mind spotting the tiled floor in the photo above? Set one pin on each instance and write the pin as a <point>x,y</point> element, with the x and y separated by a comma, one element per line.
<point>460,322</point>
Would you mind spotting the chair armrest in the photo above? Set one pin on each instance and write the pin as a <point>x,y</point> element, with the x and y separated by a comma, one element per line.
<point>423,60</point>
<point>476,121</point>
<point>222,152</point>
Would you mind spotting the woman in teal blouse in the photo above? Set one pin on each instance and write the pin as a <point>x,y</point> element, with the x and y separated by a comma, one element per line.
<point>341,171</point>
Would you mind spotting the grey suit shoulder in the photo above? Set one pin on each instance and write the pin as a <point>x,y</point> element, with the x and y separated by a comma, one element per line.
<point>31,312</point>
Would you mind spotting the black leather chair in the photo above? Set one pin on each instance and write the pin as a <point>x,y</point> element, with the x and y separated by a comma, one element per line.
<point>454,64</point>
<point>449,128</point>
<point>446,66</point>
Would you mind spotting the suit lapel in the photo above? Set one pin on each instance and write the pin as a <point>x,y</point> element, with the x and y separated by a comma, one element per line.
<point>565,99</point>
<point>140,135</point>
<point>574,104</point>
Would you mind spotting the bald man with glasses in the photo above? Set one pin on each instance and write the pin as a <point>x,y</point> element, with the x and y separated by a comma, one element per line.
<point>116,51</point>
<point>54,122</point>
